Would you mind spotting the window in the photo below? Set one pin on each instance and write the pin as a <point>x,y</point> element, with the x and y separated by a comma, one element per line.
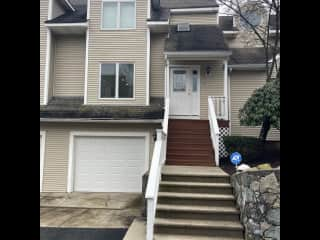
<point>117,14</point>
<point>179,80</point>
<point>116,80</point>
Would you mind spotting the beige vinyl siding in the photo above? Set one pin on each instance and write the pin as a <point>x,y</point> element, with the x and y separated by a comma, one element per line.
<point>69,66</point>
<point>128,46</point>
<point>57,148</point>
<point>242,85</point>
<point>210,85</point>
<point>157,65</point>
<point>195,18</point>
<point>43,44</point>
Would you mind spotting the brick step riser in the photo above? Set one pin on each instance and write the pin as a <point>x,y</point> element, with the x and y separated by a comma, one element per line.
<point>199,231</point>
<point>196,202</point>
<point>187,189</point>
<point>199,216</point>
<point>195,179</point>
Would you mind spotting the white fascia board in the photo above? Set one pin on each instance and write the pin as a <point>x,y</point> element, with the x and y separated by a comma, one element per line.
<point>89,120</point>
<point>194,10</point>
<point>247,66</point>
<point>230,32</point>
<point>85,24</point>
<point>200,53</point>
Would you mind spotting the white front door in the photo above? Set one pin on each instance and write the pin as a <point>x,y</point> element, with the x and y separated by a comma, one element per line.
<point>185,91</point>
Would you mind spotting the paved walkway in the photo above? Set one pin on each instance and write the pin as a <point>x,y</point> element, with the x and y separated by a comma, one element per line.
<point>89,210</point>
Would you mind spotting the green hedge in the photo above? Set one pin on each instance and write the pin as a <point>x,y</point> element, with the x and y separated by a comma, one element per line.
<point>249,147</point>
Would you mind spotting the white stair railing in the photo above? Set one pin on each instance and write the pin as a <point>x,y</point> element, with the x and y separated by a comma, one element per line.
<point>158,160</point>
<point>214,129</point>
<point>220,106</point>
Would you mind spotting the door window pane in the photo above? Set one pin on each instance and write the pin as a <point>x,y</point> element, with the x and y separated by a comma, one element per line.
<point>108,80</point>
<point>127,15</point>
<point>125,80</point>
<point>179,81</point>
<point>109,19</point>
<point>194,80</point>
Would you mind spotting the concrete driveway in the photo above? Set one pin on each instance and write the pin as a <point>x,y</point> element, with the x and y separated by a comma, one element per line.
<point>89,210</point>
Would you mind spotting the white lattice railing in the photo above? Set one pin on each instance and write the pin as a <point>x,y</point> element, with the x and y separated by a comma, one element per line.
<point>220,106</point>
<point>214,129</point>
<point>158,160</point>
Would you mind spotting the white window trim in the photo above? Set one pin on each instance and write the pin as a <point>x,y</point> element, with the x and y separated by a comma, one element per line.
<point>118,28</point>
<point>71,162</point>
<point>42,150</point>
<point>117,82</point>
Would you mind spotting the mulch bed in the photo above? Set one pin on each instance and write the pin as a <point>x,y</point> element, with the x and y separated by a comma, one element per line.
<point>271,156</point>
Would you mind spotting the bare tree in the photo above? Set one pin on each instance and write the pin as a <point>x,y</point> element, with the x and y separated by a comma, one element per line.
<point>268,34</point>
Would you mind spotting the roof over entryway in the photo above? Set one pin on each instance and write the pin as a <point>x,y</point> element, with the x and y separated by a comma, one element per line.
<point>200,41</point>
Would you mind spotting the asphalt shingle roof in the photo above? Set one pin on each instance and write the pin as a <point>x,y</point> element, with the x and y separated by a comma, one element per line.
<point>247,56</point>
<point>200,38</point>
<point>78,16</point>
<point>72,107</point>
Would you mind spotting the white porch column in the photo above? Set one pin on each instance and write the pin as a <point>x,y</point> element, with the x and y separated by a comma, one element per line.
<point>225,85</point>
<point>166,77</point>
<point>47,68</point>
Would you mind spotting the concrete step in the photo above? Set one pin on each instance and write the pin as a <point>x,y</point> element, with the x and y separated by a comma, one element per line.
<point>180,177</point>
<point>199,227</point>
<point>195,187</point>
<point>164,236</point>
<point>201,199</point>
<point>198,212</point>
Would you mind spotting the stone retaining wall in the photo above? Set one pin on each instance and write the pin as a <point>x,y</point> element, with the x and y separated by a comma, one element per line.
<point>258,197</point>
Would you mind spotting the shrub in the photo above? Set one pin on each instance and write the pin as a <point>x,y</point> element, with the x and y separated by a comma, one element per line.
<point>249,147</point>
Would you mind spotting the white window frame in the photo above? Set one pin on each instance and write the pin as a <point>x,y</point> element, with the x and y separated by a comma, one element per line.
<point>118,28</point>
<point>74,134</point>
<point>117,81</point>
<point>42,150</point>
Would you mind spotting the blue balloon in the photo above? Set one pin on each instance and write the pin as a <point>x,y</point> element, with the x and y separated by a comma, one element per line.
<point>235,158</point>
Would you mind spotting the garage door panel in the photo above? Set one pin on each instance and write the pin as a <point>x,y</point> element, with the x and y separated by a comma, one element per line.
<point>109,164</point>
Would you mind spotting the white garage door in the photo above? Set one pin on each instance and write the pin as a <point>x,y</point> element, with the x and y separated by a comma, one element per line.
<point>109,164</point>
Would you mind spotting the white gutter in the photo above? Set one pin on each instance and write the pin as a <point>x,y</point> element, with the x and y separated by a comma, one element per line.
<point>247,66</point>
<point>195,10</point>
<point>90,120</point>
<point>84,24</point>
<point>199,53</point>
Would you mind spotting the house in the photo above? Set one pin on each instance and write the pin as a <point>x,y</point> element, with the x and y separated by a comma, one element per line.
<point>110,71</point>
